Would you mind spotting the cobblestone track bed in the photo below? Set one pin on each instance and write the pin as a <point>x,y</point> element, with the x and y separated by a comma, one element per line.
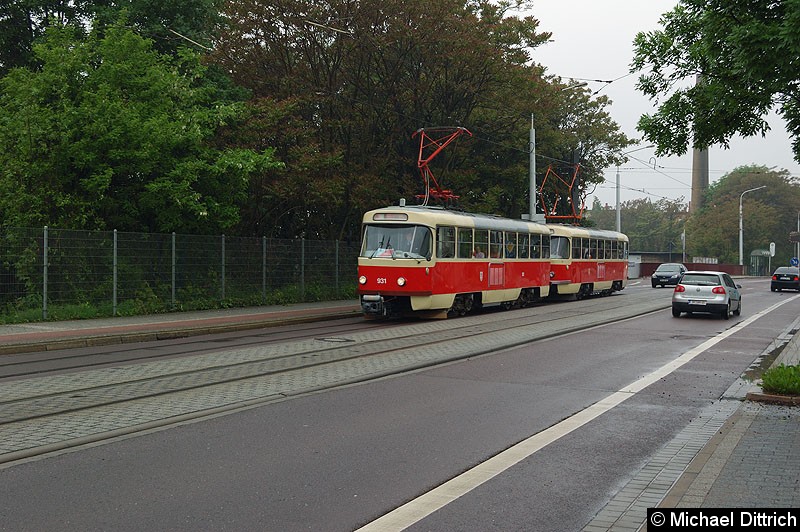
<point>55,412</point>
<point>189,345</point>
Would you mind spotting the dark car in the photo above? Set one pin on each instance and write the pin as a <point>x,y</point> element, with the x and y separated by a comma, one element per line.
<point>787,277</point>
<point>667,274</point>
<point>709,292</point>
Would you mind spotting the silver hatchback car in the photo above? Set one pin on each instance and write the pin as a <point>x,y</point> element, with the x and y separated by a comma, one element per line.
<point>707,291</point>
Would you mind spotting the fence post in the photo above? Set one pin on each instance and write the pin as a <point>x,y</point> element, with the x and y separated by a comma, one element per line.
<point>114,277</point>
<point>44,275</point>
<point>337,268</point>
<point>263,269</point>
<point>223,267</point>
<point>174,260</point>
<point>303,268</point>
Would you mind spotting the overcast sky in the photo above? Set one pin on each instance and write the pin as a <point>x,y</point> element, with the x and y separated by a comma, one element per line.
<point>592,39</point>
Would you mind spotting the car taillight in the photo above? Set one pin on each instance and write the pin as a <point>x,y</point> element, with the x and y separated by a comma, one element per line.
<point>775,277</point>
<point>680,288</point>
<point>718,290</point>
<point>795,278</point>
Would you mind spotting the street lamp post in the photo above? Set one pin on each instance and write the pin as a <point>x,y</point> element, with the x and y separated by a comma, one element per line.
<point>741,224</point>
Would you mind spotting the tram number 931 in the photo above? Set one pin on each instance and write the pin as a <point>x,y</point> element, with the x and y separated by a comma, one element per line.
<point>381,280</point>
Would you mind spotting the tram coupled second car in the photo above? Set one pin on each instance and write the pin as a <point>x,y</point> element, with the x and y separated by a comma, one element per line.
<point>586,261</point>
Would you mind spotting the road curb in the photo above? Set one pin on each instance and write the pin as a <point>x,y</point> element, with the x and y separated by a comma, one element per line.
<point>97,340</point>
<point>775,399</point>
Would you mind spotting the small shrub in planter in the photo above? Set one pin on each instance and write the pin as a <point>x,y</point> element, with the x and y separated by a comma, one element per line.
<point>784,380</point>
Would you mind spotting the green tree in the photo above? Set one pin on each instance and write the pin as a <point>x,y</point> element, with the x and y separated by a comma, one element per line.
<point>768,215</point>
<point>24,21</point>
<point>170,24</point>
<point>353,81</point>
<point>650,226</point>
<point>110,134</point>
<point>745,53</point>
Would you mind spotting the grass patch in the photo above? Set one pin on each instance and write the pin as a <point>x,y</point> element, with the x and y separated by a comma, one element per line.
<point>783,380</point>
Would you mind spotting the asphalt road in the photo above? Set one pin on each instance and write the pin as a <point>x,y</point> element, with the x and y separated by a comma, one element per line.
<point>341,458</point>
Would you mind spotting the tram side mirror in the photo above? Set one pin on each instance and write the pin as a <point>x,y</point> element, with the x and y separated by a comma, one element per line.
<point>428,256</point>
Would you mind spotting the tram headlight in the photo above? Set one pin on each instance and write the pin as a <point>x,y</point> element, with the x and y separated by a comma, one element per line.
<point>362,279</point>
<point>401,281</point>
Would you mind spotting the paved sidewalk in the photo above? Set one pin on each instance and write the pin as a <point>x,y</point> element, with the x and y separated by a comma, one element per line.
<point>47,336</point>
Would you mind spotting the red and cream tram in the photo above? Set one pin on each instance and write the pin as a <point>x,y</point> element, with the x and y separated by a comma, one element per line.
<point>431,262</point>
<point>586,261</point>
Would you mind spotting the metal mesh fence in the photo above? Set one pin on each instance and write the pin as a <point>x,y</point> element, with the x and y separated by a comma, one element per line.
<point>131,273</point>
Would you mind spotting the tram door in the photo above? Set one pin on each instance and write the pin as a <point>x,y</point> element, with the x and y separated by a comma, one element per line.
<point>497,270</point>
<point>497,275</point>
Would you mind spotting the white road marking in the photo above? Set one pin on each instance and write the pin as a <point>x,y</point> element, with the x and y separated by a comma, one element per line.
<point>424,505</point>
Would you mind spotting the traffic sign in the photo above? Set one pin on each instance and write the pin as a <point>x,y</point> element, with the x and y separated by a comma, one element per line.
<point>793,261</point>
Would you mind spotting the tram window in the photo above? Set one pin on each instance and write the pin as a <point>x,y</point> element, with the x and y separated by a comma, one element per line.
<point>577,247</point>
<point>421,246</point>
<point>446,242</point>
<point>614,250</point>
<point>540,247</point>
<point>510,245</point>
<point>465,247</point>
<point>559,247</point>
<point>481,249</point>
<point>495,244</point>
<point>524,240</point>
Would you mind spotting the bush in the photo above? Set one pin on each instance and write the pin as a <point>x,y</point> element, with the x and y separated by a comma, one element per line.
<point>784,380</point>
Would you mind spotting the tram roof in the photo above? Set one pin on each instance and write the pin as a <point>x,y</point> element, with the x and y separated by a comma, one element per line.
<point>434,215</point>
<point>585,232</point>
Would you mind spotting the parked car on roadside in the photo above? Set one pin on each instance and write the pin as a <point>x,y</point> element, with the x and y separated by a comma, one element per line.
<point>785,277</point>
<point>667,274</point>
<point>709,292</point>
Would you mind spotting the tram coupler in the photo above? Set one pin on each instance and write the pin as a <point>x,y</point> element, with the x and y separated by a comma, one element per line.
<point>373,305</point>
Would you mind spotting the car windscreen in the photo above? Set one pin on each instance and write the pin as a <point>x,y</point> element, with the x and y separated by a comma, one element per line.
<point>668,268</point>
<point>700,279</point>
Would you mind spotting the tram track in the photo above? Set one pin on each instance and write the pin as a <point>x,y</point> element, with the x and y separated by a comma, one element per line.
<point>47,362</point>
<point>95,403</point>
